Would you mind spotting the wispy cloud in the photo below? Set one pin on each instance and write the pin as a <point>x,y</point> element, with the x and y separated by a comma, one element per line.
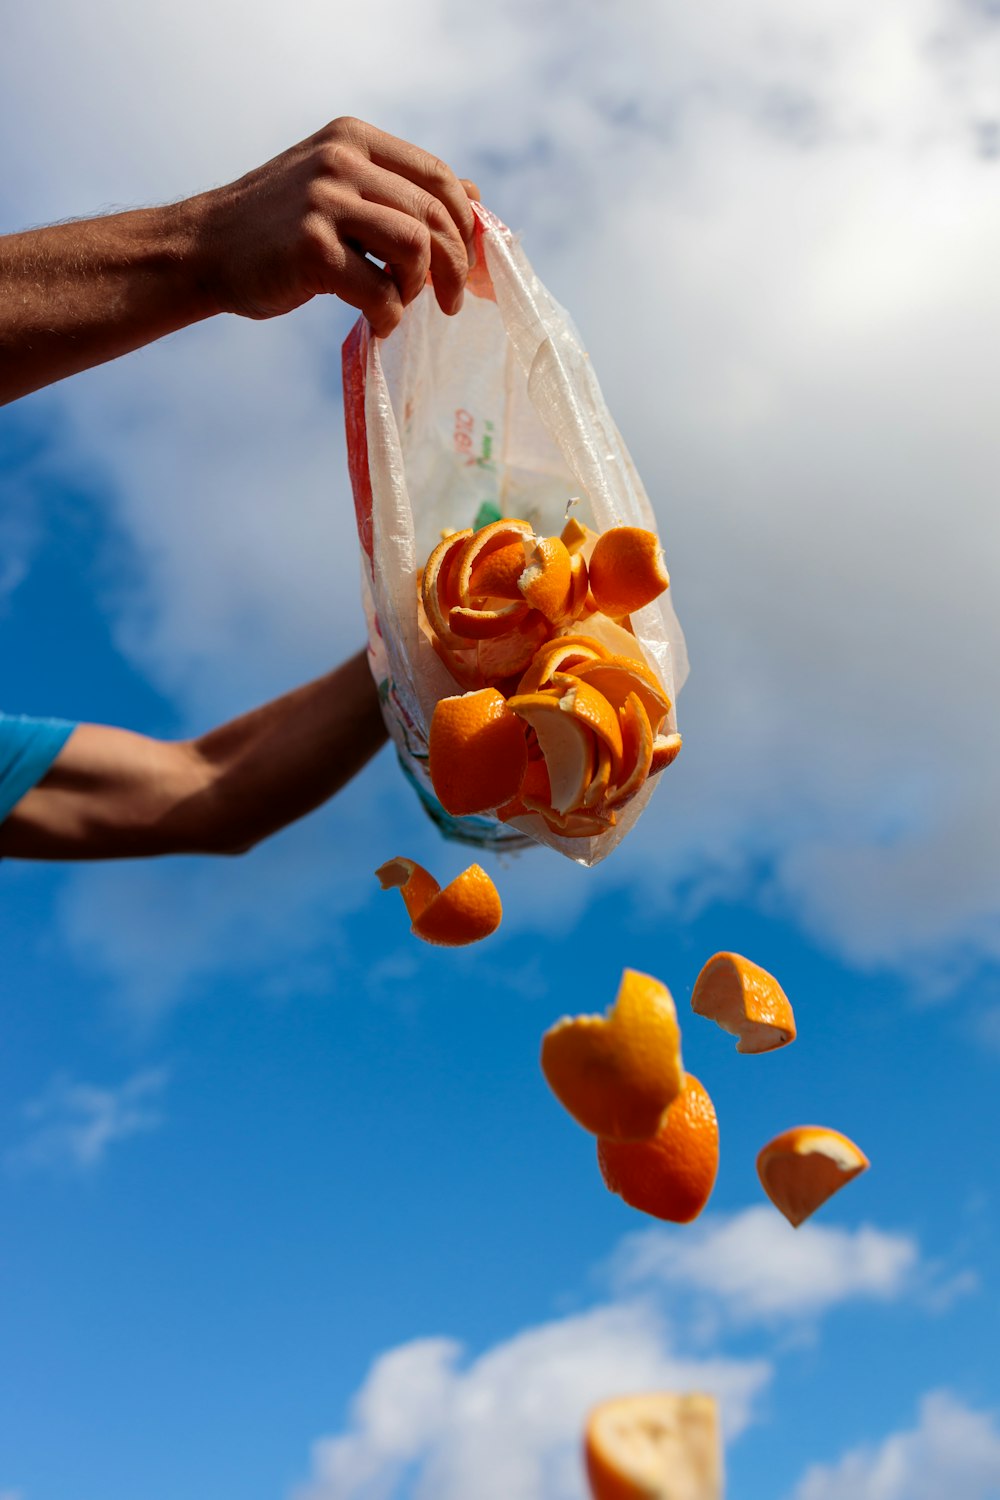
<point>753,1267</point>
<point>74,1124</point>
<point>952,1450</point>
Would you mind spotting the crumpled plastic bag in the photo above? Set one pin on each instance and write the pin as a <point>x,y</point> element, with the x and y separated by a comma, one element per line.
<point>495,411</point>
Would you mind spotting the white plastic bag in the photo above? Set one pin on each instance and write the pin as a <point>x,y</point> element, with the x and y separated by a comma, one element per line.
<point>496,407</point>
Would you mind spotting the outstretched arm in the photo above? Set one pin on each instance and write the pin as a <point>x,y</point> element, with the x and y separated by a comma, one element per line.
<point>75,295</point>
<point>112,794</point>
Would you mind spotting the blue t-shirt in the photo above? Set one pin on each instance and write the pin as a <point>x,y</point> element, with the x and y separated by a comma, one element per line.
<point>27,749</point>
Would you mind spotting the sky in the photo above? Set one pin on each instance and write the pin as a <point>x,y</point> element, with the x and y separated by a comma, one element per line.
<point>288,1210</point>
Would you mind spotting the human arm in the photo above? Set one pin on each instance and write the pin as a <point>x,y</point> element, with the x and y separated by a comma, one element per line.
<point>112,794</point>
<point>78,294</point>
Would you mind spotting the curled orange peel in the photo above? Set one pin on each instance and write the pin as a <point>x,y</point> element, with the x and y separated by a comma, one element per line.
<point>627,570</point>
<point>617,676</point>
<point>467,910</point>
<point>437,591</point>
<point>616,1074</point>
<point>547,579</point>
<point>637,751</point>
<point>484,544</point>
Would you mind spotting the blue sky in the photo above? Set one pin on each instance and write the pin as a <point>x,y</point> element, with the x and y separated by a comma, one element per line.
<point>288,1210</point>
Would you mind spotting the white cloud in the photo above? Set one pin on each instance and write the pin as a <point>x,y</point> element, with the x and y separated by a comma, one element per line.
<point>75,1124</point>
<point>952,1450</point>
<point>753,1267</point>
<point>509,1422</point>
<point>778,229</point>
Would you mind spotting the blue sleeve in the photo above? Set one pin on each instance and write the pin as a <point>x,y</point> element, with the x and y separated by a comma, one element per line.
<point>27,749</point>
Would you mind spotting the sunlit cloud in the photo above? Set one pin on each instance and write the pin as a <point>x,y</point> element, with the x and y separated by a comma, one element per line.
<point>778,231</point>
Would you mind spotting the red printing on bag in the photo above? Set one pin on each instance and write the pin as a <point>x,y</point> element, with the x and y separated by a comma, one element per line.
<point>354,366</point>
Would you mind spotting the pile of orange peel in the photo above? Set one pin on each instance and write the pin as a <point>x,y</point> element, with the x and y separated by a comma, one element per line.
<point>562,719</point>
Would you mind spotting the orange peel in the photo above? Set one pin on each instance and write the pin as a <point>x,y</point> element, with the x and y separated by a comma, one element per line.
<point>666,748</point>
<point>485,544</point>
<point>561,654</point>
<point>474,624</point>
<point>746,1001</point>
<point>575,536</point>
<point>507,655</point>
<point>616,1074</point>
<point>617,676</point>
<point>497,575</point>
<point>437,591</point>
<point>626,570</point>
<point>565,742</point>
<point>671,1176</point>
<point>637,751</point>
<point>546,582</point>
<point>466,911</point>
<point>477,752</point>
<point>801,1168</point>
<point>658,1446</point>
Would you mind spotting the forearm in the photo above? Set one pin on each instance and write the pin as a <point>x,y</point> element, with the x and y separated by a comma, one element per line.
<point>78,294</point>
<point>111,794</point>
<point>279,762</point>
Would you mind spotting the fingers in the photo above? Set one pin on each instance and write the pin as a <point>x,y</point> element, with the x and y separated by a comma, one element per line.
<point>372,291</point>
<point>471,191</point>
<point>427,172</point>
<point>389,201</point>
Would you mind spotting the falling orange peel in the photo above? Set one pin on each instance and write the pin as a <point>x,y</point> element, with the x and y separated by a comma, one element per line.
<point>467,910</point>
<point>616,1074</point>
<point>803,1167</point>
<point>746,1001</point>
<point>658,1446</point>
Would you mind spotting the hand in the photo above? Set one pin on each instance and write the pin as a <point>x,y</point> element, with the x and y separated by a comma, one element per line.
<point>307,222</point>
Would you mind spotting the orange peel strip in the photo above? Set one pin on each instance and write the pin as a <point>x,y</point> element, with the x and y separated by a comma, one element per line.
<point>803,1167</point>
<point>436,589</point>
<point>474,624</point>
<point>617,676</point>
<point>616,1074</point>
<point>467,910</point>
<point>637,753</point>
<point>560,654</point>
<point>746,1001</point>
